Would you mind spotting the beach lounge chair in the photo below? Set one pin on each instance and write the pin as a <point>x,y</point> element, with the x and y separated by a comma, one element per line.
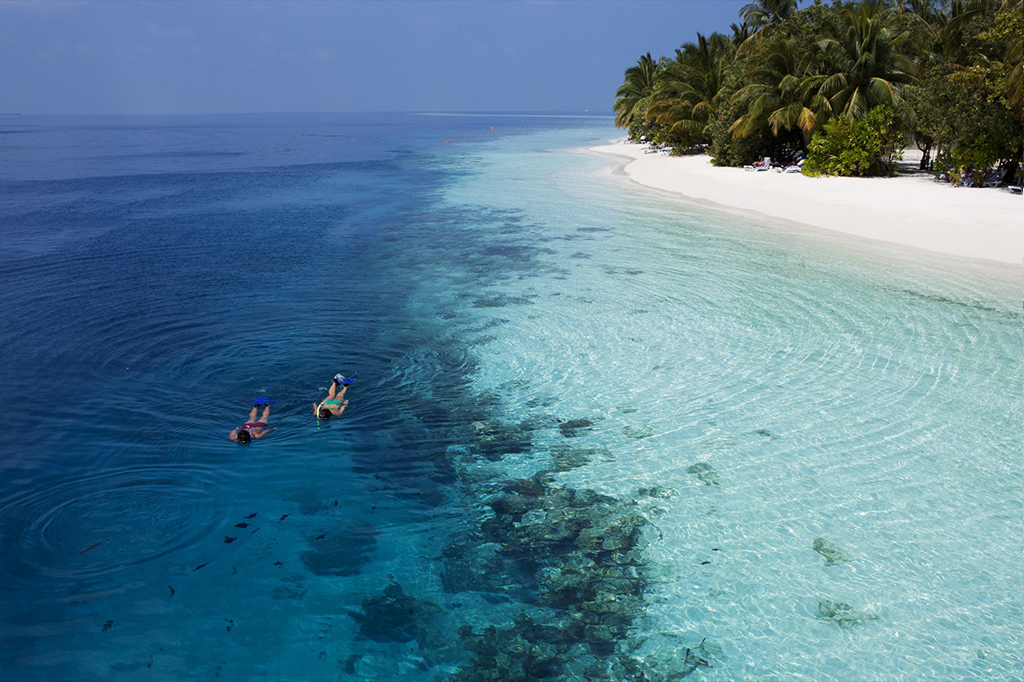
<point>762,165</point>
<point>993,178</point>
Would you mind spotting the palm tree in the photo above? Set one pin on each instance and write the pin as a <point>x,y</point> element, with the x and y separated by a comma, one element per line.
<point>762,13</point>
<point>758,16</point>
<point>782,94</point>
<point>867,66</point>
<point>740,33</point>
<point>947,27</point>
<point>633,97</point>
<point>686,96</point>
<point>1015,58</point>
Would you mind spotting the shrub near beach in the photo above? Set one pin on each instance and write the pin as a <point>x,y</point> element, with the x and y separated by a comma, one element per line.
<point>849,146</point>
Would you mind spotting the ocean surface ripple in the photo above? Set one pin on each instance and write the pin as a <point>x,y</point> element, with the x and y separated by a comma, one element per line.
<point>593,434</point>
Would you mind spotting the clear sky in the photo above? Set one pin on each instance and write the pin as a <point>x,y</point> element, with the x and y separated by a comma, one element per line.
<point>207,56</point>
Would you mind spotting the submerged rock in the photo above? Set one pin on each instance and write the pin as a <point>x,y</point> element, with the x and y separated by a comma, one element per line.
<point>571,428</point>
<point>655,491</point>
<point>638,431</point>
<point>566,457</point>
<point>830,551</point>
<point>494,440</point>
<point>513,505</point>
<point>705,472</point>
<point>843,613</point>
<point>393,616</point>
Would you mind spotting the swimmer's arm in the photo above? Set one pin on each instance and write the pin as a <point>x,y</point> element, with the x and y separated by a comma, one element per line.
<point>341,409</point>
<point>233,435</point>
<point>263,433</point>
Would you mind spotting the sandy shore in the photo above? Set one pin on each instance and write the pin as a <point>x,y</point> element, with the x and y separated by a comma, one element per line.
<point>911,210</point>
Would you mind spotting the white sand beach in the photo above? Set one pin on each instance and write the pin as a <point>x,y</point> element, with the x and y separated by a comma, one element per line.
<point>910,210</point>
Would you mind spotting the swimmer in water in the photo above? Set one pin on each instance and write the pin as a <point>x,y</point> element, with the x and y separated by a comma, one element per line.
<point>335,402</point>
<point>252,428</point>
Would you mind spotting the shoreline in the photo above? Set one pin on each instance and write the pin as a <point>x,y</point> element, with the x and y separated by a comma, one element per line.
<point>913,211</point>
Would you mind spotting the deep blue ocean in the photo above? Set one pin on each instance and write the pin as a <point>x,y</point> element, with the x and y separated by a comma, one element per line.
<point>593,434</point>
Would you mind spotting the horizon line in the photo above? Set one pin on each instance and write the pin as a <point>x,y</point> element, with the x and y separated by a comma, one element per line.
<point>550,113</point>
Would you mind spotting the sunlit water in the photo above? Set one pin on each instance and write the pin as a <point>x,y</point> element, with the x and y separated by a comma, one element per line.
<point>508,308</point>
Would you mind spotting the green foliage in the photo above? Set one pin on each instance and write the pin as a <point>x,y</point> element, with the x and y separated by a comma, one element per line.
<point>689,91</point>
<point>768,12</point>
<point>963,164</point>
<point>867,65</point>
<point>977,129</point>
<point>856,146</point>
<point>857,75</point>
<point>782,94</point>
<point>1003,47</point>
<point>633,97</point>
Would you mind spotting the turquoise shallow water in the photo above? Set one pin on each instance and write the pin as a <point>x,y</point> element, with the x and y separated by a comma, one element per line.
<point>608,426</point>
<point>837,389</point>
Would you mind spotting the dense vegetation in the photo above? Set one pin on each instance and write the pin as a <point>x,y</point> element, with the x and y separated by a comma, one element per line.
<point>846,84</point>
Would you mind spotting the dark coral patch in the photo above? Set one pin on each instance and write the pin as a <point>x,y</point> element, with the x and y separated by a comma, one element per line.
<point>573,427</point>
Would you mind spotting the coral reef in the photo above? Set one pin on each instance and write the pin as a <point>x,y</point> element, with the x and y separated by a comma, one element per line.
<point>393,616</point>
<point>575,559</point>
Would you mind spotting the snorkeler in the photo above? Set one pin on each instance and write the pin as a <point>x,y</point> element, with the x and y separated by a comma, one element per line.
<point>252,428</point>
<point>335,402</point>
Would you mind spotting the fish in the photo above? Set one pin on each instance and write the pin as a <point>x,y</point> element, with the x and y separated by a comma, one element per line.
<point>252,516</point>
<point>109,624</point>
<point>320,537</point>
<point>335,503</point>
<point>704,563</point>
<point>693,658</point>
<point>198,567</point>
<point>242,525</point>
<point>254,531</point>
<point>278,563</point>
<point>228,541</point>
<point>230,623</point>
<point>91,547</point>
<point>172,590</point>
<point>283,517</point>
